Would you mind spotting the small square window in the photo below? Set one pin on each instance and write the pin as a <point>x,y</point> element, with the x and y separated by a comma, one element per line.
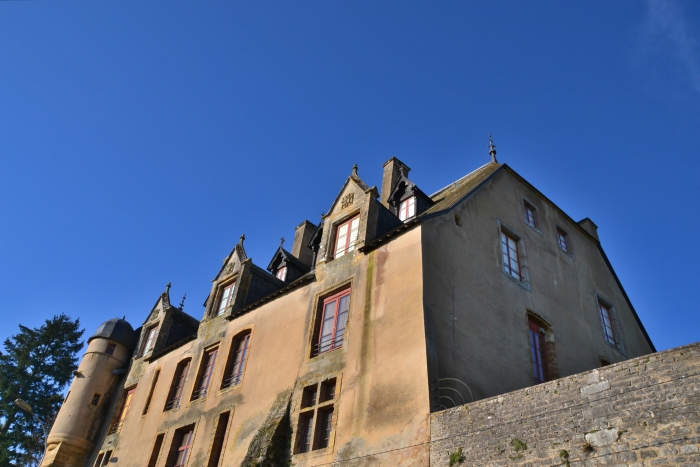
<point>530,215</point>
<point>563,241</point>
<point>407,209</point>
<point>346,236</point>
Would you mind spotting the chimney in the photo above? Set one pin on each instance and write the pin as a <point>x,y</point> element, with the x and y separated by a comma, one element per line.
<point>393,169</point>
<point>302,237</point>
<point>589,227</point>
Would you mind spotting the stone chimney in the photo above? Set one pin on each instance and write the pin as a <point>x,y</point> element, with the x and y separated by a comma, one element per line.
<point>302,237</point>
<point>589,227</point>
<point>393,169</point>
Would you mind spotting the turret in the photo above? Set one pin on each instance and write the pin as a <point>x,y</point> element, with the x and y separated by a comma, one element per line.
<point>82,413</point>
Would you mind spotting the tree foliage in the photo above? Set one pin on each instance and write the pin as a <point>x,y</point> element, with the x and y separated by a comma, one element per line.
<point>36,365</point>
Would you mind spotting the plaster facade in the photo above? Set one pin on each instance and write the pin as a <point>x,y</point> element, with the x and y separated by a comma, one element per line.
<point>271,375</point>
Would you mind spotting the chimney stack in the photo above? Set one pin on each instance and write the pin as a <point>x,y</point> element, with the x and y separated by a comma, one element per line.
<point>393,169</point>
<point>589,227</point>
<point>302,237</point>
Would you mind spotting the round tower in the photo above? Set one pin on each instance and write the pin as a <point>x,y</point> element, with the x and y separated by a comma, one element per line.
<point>82,413</point>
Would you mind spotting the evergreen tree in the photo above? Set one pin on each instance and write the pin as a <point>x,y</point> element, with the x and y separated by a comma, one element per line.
<point>36,365</point>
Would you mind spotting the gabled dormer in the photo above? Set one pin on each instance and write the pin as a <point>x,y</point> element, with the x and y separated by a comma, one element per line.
<point>165,326</point>
<point>286,267</point>
<point>399,194</point>
<point>238,284</point>
<point>355,218</point>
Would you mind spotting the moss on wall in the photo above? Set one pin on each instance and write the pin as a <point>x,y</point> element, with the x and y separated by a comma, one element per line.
<point>272,444</point>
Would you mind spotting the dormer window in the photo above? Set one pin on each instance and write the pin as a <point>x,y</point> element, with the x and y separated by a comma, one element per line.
<point>225,298</point>
<point>282,273</point>
<point>346,236</point>
<point>150,339</point>
<point>407,209</point>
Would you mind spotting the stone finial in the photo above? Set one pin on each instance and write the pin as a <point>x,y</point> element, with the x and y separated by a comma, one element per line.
<point>167,288</point>
<point>492,150</point>
<point>354,170</point>
<point>242,238</point>
<point>281,242</point>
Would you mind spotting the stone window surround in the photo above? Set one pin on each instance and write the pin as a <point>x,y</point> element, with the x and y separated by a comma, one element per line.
<point>522,256</point>
<point>330,403</point>
<point>314,330</point>
<point>615,318</point>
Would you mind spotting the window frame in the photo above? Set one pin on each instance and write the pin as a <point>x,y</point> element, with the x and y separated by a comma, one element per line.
<point>349,243</point>
<point>507,258</point>
<point>281,273</point>
<point>531,220</point>
<point>205,374</point>
<point>316,420</point>
<point>150,335</point>
<point>563,239</point>
<point>321,318</point>
<point>177,386</point>
<point>124,406</point>
<point>235,375</point>
<point>538,352</point>
<point>410,205</point>
<point>615,338</point>
<point>220,297</point>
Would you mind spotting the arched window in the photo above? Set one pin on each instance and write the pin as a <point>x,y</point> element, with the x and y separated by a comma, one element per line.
<point>235,365</point>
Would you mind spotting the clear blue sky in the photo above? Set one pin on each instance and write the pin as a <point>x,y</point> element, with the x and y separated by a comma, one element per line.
<point>139,139</point>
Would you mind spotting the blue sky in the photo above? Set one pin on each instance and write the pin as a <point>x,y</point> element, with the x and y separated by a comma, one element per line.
<point>139,139</point>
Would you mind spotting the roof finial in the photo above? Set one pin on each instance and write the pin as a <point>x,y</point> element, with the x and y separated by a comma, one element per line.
<point>492,149</point>
<point>281,242</point>
<point>354,170</point>
<point>182,303</point>
<point>242,238</point>
<point>167,288</point>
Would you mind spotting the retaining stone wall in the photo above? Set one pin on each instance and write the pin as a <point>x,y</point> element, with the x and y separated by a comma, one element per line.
<point>641,412</point>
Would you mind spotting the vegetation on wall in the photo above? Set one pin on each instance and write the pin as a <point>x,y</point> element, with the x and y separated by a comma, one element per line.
<point>35,366</point>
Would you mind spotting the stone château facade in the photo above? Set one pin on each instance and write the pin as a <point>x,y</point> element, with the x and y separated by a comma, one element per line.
<point>397,306</point>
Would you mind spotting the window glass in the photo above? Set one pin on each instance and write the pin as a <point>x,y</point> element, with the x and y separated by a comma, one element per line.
<point>407,208</point>
<point>225,300</point>
<point>511,260</point>
<point>346,237</point>
<point>178,385</point>
<point>282,273</point>
<point>206,372</point>
<point>530,215</point>
<point>150,340</point>
<point>333,321</point>
<point>236,361</point>
<point>608,332</point>
<point>538,354</point>
<point>562,240</point>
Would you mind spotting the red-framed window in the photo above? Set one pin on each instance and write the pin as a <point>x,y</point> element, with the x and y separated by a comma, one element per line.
<point>606,318</point>
<point>511,255</point>
<point>180,447</point>
<point>530,218</point>
<point>563,240</point>
<point>178,385</point>
<point>123,411</point>
<point>407,208</point>
<point>233,375</point>
<point>538,352</point>
<point>334,317</point>
<point>150,340</point>
<point>205,372</point>
<point>346,236</point>
<point>281,273</point>
<point>225,297</point>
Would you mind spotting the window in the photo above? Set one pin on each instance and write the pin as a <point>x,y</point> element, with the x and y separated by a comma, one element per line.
<point>282,273</point>
<point>205,371</point>
<point>538,352</point>
<point>153,460</point>
<point>181,446</point>
<point>606,318</point>
<point>407,209</point>
<point>233,373</point>
<point>219,436</point>
<point>107,457</point>
<point>150,392</point>
<point>316,405</point>
<point>178,385</point>
<point>120,415</point>
<point>98,461</point>
<point>530,218</point>
<point>333,318</point>
<point>110,349</point>
<point>150,340</point>
<point>95,399</point>
<point>563,241</point>
<point>511,256</point>
<point>225,298</point>
<point>346,236</point>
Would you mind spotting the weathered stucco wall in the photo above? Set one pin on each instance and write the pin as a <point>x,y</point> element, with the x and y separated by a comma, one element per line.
<point>641,412</point>
<point>477,315</point>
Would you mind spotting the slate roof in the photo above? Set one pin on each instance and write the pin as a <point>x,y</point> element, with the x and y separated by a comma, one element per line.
<point>454,192</point>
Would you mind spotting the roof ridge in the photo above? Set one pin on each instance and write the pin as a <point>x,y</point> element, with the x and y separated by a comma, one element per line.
<point>460,179</point>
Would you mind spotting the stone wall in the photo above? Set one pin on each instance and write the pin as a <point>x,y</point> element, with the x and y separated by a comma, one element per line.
<point>640,412</point>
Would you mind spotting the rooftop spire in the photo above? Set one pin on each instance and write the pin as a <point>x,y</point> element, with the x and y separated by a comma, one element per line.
<point>281,242</point>
<point>492,150</point>
<point>182,303</point>
<point>167,288</point>
<point>242,238</point>
<point>354,170</point>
